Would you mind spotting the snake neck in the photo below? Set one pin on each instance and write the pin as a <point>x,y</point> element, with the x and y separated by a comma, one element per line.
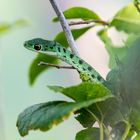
<point>83,68</point>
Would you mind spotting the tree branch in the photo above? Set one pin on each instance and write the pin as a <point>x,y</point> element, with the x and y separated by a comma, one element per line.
<point>88,22</point>
<point>65,26</point>
<point>56,66</point>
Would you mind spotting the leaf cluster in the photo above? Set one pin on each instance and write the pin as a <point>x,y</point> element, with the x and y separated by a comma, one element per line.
<point>115,105</point>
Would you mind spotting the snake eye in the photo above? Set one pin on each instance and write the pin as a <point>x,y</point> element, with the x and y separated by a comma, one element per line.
<point>37,47</point>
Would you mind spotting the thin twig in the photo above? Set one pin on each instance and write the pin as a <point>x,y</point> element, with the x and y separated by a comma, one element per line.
<point>88,22</point>
<point>65,26</point>
<point>56,66</point>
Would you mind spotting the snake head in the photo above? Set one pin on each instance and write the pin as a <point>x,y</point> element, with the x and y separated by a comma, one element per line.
<point>40,45</point>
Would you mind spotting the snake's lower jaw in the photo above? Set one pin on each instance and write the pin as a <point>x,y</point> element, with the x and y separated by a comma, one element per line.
<point>51,53</point>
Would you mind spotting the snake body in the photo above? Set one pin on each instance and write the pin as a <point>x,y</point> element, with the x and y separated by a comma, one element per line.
<point>44,46</point>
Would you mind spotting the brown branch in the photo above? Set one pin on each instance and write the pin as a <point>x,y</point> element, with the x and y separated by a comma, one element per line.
<point>56,66</point>
<point>88,22</point>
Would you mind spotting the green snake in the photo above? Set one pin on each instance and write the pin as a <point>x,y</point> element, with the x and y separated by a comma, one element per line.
<point>87,72</point>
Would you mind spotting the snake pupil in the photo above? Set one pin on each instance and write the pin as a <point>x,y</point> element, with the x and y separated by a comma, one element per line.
<point>37,47</point>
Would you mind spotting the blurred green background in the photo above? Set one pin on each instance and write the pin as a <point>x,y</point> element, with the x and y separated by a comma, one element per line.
<point>15,92</point>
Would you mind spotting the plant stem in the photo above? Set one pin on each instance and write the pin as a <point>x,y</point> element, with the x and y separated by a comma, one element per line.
<point>65,26</point>
<point>99,123</point>
<point>101,131</point>
<point>54,65</point>
<point>126,132</point>
<point>88,22</point>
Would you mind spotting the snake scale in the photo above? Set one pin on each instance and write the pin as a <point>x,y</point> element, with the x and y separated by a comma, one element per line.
<point>44,46</point>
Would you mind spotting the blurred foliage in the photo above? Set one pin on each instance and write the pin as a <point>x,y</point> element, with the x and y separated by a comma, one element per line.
<point>5,27</point>
<point>112,50</point>
<point>137,4</point>
<point>114,104</point>
<point>127,19</point>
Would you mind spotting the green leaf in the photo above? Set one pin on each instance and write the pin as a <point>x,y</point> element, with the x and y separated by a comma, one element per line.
<point>79,13</point>
<point>131,39</point>
<point>127,19</point>
<point>109,111</point>
<point>56,88</point>
<point>85,118</point>
<point>112,50</point>
<point>84,91</point>
<point>131,74</point>
<point>129,83</point>
<point>35,70</point>
<point>45,115</point>
<point>88,134</point>
<point>60,37</point>
<point>137,137</point>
